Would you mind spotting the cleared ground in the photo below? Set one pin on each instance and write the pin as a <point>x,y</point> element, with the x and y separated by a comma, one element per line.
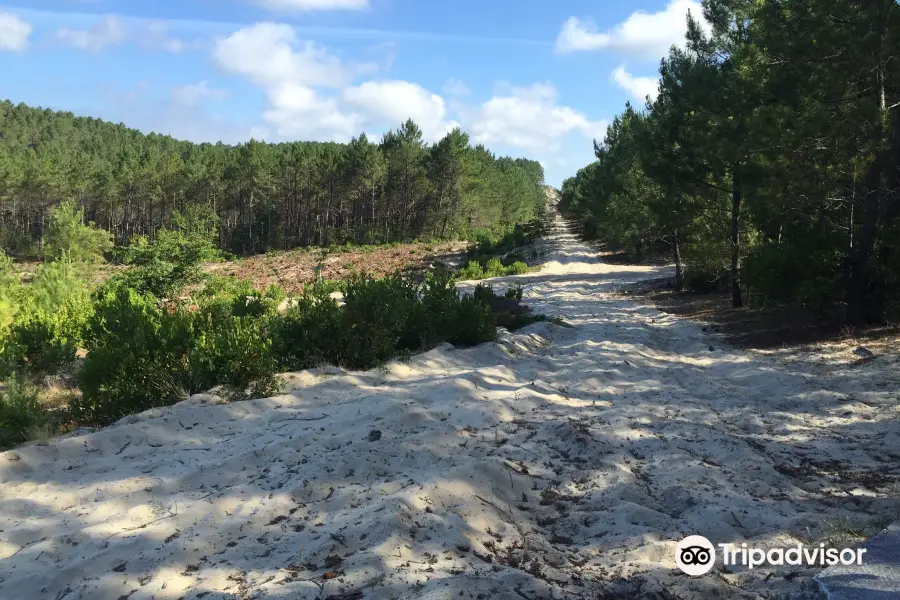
<point>561,462</point>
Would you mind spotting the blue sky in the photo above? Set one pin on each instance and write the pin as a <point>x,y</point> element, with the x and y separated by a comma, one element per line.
<point>525,77</point>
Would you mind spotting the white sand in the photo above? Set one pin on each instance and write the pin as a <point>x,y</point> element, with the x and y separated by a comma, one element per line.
<point>567,457</point>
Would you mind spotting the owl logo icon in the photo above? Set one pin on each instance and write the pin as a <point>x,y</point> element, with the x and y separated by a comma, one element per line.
<point>695,555</point>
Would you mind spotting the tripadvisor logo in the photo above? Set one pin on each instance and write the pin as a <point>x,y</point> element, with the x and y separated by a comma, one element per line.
<point>696,555</point>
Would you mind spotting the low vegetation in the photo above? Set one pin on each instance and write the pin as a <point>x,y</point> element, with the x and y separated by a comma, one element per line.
<point>162,329</point>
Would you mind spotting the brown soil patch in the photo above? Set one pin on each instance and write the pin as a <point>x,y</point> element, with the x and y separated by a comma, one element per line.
<point>292,269</point>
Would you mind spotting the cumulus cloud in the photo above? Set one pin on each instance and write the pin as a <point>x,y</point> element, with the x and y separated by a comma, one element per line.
<point>311,5</point>
<point>642,33</point>
<point>271,53</point>
<point>108,31</point>
<point>639,87</point>
<point>529,118</point>
<point>310,93</point>
<point>14,32</point>
<point>392,102</point>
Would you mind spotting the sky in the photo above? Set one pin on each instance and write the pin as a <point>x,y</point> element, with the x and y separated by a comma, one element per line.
<point>533,78</point>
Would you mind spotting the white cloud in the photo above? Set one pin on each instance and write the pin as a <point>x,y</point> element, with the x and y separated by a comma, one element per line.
<point>642,33</point>
<point>310,92</point>
<point>530,119</point>
<point>638,87</point>
<point>311,5</point>
<point>393,102</point>
<point>14,32</point>
<point>194,93</point>
<point>266,53</point>
<point>108,31</point>
<point>455,87</point>
<point>300,112</point>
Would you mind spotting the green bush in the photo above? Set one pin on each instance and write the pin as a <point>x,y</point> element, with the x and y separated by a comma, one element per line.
<point>137,357</point>
<point>474,323</point>
<point>311,331</point>
<point>236,352</point>
<point>19,412</point>
<point>376,317</point>
<point>809,275</point>
<point>515,293</point>
<point>11,291</point>
<point>472,271</point>
<point>55,284</point>
<point>494,268</point>
<point>175,258</point>
<point>68,237</point>
<point>41,344</point>
<point>438,309</point>
<point>517,268</point>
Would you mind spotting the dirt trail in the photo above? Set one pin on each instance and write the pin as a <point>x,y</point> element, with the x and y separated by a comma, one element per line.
<point>561,462</point>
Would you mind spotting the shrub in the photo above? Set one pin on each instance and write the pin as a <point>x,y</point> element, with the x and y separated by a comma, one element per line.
<point>376,318</point>
<point>19,412</point>
<point>41,344</point>
<point>515,293</point>
<point>517,268</point>
<point>137,357</point>
<point>809,275</point>
<point>11,291</point>
<point>310,333</point>
<point>471,271</point>
<point>494,268</point>
<point>175,258</point>
<point>236,352</point>
<point>474,323</point>
<point>438,309</point>
<point>55,284</point>
<point>68,237</point>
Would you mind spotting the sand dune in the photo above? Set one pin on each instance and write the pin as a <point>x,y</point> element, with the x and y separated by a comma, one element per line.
<point>560,462</point>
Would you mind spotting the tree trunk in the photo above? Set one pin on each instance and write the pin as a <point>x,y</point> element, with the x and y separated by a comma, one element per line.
<point>859,284</point>
<point>737,299</point>
<point>676,256</point>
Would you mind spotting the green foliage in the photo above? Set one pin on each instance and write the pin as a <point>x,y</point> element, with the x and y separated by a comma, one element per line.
<point>492,267</point>
<point>517,268</point>
<point>475,323</point>
<point>132,182</point>
<point>173,261</point>
<point>707,264</point>
<point>471,272</point>
<point>44,342</point>
<point>376,319</point>
<point>765,183</point>
<point>55,284</point>
<point>68,237</point>
<point>19,411</point>
<point>11,292</point>
<point>811,278</point>
<point>311,332</point>
<point>137,357</point>
<point>515,293</point>
<point>236,352</point>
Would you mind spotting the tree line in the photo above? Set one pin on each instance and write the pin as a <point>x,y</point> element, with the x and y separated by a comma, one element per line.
<point>769,162</point>
<point>266,196</point>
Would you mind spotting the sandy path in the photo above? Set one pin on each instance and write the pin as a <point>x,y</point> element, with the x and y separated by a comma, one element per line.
<point>558,463</point>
